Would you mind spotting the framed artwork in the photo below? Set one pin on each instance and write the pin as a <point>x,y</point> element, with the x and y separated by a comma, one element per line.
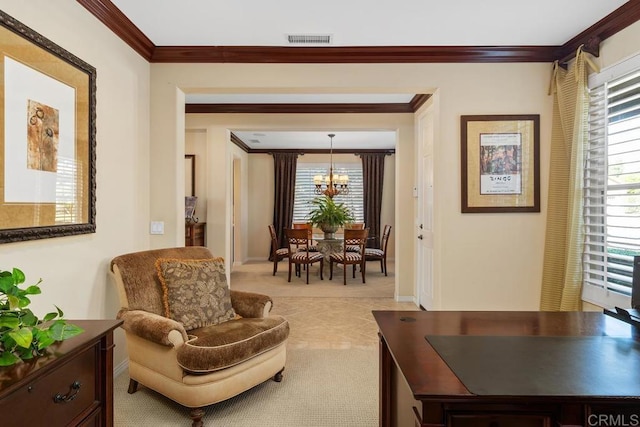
<point>189,174</point>
<point>48,140</point>
<point>500,163</point>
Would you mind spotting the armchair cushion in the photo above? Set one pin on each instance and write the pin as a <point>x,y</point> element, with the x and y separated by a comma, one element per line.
<point>250,304</point>
<point>221,346</point>
<point>195,291</point>
<point>151,326</point>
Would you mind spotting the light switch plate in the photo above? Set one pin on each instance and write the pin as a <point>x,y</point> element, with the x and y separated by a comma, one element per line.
<point>157,227</point>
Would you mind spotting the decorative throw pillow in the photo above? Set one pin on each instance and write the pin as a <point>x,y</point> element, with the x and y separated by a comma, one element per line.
<point>195,292</point>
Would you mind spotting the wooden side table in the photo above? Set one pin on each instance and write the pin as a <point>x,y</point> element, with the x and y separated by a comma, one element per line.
<point>72,386</point>
<point>195,233</point>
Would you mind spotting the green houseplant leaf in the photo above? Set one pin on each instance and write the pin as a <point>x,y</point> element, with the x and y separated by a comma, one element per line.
<point>23,335</point>
<point>326,211</point>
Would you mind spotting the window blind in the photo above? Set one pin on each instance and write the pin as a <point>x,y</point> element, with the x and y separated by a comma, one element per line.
<point>612,188</point>
<point>305,189</point>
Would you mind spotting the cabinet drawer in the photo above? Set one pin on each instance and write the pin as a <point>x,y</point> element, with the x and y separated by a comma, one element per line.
<point>498,420</point>
<point>29,405</point>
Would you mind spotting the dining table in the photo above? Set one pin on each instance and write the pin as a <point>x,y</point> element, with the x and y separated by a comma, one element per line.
<point>328,246</point>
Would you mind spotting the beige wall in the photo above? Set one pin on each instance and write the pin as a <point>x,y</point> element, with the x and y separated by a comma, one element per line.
<point>74,269</point>
<point>483,261</point>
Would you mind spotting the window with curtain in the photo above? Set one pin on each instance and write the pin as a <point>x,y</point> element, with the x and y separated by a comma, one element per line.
<point>305,188</point>
<point>612,185</point>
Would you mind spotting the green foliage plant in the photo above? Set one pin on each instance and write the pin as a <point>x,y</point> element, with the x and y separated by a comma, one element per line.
<point>22,335</point>
<point>327,212</point>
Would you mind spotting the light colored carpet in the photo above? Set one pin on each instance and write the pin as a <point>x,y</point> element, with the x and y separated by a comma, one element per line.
<point>320,388</point>
<point>258,277</point>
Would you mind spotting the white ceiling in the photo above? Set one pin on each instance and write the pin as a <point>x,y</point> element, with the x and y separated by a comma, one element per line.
<point>355,23</point>
<point>365,23</point>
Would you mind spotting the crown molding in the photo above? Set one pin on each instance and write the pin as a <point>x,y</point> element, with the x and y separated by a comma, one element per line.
<point>359,54</point>
<point>616,21</point>
<point>299,108</point>
<point>240,143</point>
<point>116,21</point>
<point>370,108</point>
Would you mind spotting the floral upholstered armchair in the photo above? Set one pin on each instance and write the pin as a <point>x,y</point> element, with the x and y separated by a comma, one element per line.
<point>188,336</point>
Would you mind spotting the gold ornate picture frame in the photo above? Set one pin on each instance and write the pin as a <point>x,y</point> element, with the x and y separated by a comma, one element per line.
<point>47,147</point>
<point>500,163</point>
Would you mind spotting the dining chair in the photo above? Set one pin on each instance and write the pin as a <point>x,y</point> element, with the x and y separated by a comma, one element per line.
<point>296,240</point>
<point>374,254</point>
<point>353,226</point>
<point>277,254</point>
<point>306,226</point>
<point>355,238</point>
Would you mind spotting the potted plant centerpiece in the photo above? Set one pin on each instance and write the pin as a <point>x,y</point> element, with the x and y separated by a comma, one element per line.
<point>329,215</point>
<point>22,335</point>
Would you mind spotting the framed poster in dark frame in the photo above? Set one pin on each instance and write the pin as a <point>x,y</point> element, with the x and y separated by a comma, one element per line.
<point>48,140</point>
<point>189,174</point>
<point>500,163</point>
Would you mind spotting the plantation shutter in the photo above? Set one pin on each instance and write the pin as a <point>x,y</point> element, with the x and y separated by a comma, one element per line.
<point>305,189</point>
<point>612,189</point>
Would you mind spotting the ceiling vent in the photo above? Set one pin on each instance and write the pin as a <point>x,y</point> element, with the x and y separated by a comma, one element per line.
<point>254,141</point>
<point>304,39</point>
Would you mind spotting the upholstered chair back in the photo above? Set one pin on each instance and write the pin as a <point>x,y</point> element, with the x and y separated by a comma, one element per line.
<point>137,280</point>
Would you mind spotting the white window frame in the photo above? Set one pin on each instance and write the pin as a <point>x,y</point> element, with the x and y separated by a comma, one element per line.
<point>596,289</point>
<point>305,188</point>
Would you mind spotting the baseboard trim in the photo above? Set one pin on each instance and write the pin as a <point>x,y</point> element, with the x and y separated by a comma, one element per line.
<point>122,366</point>
<point>407,298</point>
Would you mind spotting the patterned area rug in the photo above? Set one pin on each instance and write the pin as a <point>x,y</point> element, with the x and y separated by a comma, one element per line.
<point>320,388</point>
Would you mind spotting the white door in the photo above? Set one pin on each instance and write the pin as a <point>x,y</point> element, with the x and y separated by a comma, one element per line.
<point>424,221</point>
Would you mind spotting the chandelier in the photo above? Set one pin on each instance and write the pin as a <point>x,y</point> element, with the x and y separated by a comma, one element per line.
<point>334,184</point>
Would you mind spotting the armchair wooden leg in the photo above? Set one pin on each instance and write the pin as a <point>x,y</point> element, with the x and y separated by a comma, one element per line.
<point>321,268</point>
<point>278,377</point>
<point>133,386</point>
<point>385,265</point>
<point>330,269</point>
<point>289,278</point>
<point>363,270</point>
<point>196,415</point>
<point>383,269</point>
<point>275,266</point>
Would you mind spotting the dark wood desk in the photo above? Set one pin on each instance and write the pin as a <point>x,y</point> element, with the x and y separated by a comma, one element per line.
<point>418,388</point>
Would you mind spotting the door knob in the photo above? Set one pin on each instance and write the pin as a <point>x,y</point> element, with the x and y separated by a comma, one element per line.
<point>420,236</point>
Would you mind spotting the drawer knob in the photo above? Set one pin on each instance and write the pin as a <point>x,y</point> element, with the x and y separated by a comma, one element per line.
<point>74,389</point>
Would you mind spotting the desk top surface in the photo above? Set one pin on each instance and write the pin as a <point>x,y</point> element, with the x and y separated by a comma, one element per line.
<point>428,374</point>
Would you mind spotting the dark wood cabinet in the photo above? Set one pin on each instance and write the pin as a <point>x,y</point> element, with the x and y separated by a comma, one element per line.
<point>72,386</point>
<point>194,233</point>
